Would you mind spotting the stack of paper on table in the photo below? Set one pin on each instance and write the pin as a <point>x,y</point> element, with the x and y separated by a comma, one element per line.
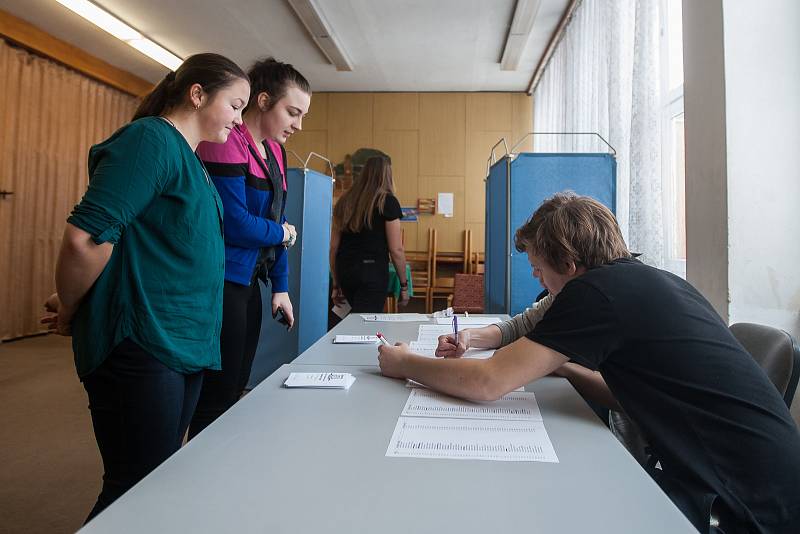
<point>366,340</point>
<point>320,380</point>
<point>434,425</point>
<point>471,321</point>
<point>395,317</point>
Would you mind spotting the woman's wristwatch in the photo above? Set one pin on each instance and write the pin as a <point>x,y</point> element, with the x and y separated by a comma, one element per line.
<point>404,287</point>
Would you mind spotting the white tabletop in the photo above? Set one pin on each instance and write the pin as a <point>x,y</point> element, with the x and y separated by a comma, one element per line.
<point>314,461</point>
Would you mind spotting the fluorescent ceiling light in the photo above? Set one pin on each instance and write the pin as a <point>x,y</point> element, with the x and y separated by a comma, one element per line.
<point>521,26</point>
<point>111,24</point>
<point>321,32</point>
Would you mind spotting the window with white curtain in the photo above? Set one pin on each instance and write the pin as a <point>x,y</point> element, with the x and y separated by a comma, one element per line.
<point>618,71</point>
<point>672,140</point>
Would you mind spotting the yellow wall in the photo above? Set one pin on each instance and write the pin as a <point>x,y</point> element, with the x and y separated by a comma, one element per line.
<point>438,142</point>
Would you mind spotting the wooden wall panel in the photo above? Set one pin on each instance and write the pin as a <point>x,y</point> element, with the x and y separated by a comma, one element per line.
<point>521,121</point>
<point>396,111</point>
<point>450,228</point>
<point>317,117</point>
<point>402,147</point>
<point>488,111</point>
<point>307,141</point>
<point>442,134</point>
<point>349,123</point>
<point>438,142</point>
<point>479,144</point>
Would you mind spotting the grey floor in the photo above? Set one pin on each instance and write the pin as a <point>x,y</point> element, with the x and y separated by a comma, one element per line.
<point>50,469</point>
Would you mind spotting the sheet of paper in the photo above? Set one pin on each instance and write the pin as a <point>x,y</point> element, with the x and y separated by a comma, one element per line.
<point>428,349</point>
<point>320,380</point>
<point>414,384</point>
<point>429,333</point>
<point>470,439</point>
<point>471,321</point>
<point>515,406</point>
<point>423,349</point>
<point>444,204</point>
<point>341,310</point>
<point>395,317</point>
<point>361,340</point>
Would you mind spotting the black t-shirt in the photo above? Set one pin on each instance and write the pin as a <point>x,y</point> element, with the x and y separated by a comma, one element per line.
<point>713,417</point>
<point>370,243</point>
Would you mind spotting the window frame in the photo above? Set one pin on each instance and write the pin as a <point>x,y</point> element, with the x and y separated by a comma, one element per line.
<point>671,107</point>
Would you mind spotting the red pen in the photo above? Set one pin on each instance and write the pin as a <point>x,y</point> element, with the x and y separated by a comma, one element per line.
<point>383,339</point>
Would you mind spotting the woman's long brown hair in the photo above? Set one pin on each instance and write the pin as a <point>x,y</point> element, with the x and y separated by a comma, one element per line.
<point>355,208</point>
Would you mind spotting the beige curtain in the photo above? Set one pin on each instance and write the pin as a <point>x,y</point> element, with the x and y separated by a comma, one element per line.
<point>49,117</point>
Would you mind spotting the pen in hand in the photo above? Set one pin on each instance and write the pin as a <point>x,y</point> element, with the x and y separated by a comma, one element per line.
<point>383,339</point>
<point>455,328</point>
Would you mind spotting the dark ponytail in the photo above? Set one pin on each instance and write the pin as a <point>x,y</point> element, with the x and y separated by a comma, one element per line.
<point>212,71</point>
<point>274,78</point>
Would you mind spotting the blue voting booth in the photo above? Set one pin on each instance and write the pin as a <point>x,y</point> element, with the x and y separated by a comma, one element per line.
<point>516,186</point>
<point>309,205</point>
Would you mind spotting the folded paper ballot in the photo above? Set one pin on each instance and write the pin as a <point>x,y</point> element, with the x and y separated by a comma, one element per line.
<point>320,380</point>
<point>366,340</point>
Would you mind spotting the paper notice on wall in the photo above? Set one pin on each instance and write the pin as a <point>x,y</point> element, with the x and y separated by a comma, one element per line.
<point>444,205</point>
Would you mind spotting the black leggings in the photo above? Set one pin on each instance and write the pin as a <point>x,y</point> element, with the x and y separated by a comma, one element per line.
<point>241,325</point>
<point>140,410</point>
<point>364,283</point>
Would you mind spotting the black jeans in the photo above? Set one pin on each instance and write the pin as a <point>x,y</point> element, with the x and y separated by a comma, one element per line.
<point>364,283</point>
<point>140,410</point>
<point>241,326</point>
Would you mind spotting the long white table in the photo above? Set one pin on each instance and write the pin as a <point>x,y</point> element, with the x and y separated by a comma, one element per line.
<point>325,351</point>
<point>314,461</point>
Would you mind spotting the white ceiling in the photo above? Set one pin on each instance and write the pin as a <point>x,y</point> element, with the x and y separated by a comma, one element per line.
<point>394,45</point>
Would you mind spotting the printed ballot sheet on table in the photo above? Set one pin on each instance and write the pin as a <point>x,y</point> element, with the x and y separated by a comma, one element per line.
<point>414,384</point>
<point>471,321</point>
<point>355,340</point>
<point>515,406</point>
<point>437,426</point>
<point>471,439</point>
<point>429,333</point>
<point>320,380</point>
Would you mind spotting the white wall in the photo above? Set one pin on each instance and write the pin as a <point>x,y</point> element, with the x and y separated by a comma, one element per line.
<point>742,102</point>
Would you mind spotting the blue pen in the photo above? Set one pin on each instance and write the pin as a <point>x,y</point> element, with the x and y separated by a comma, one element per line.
<point>455,327</point>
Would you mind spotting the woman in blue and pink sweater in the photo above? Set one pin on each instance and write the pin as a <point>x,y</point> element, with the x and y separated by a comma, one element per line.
<point>249,172</point>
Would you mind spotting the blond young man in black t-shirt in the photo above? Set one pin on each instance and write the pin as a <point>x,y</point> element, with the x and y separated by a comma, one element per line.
<point>640,339</point>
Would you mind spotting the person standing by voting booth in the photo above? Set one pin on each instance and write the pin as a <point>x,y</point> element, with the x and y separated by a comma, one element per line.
<point>140,271</point>
<point>366,231</point>
<point>249,171</point>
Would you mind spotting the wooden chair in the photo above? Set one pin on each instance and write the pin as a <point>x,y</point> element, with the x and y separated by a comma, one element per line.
<point>478,263</point>
<point>467,293</point>
<point>420,263</point>
<point>444,283</point>
<point>467,267</point>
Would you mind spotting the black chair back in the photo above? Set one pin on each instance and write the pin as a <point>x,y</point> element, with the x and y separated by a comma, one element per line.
<point>775,351</point>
